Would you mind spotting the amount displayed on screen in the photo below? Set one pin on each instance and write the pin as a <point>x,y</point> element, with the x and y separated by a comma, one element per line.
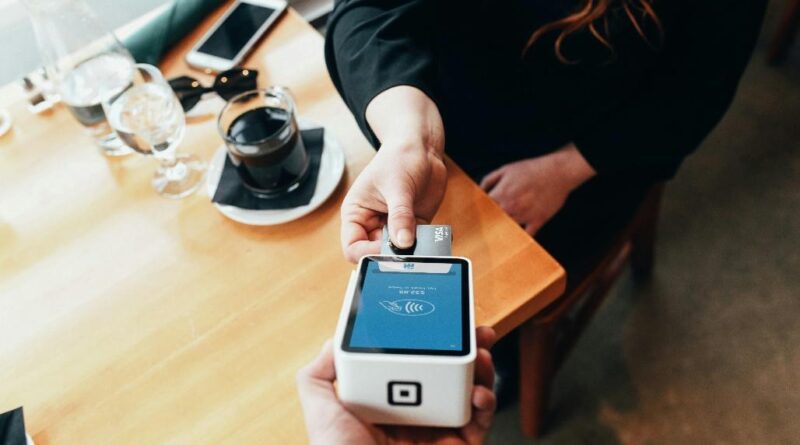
<point>410,307</point>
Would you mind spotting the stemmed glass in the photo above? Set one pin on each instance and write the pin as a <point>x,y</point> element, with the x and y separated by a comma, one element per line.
<point>148,117</point>
<point>84,61</point>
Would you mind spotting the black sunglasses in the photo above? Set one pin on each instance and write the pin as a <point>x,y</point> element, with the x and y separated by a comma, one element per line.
<point>227,84</point>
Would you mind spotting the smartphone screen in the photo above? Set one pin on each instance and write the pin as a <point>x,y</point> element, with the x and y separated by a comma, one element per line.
<point>410,306</point>
<point>236,30</point>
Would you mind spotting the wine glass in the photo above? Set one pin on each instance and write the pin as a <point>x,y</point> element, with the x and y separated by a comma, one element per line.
<point>148,117</point>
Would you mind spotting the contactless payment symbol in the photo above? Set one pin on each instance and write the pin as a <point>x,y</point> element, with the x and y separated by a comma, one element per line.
<point>408,307</point>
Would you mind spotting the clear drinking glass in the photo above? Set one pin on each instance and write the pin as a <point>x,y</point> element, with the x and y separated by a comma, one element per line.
<point>148,118</point>
<point>260,130</point>
<point>84,60</point>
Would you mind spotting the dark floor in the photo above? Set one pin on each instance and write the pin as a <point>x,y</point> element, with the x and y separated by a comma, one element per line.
<point>709,352</point>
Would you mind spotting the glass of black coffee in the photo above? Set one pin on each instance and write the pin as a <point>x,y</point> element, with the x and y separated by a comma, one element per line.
<point>264,144</point>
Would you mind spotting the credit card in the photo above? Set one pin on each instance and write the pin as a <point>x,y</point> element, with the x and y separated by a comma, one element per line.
<point>432,240</point>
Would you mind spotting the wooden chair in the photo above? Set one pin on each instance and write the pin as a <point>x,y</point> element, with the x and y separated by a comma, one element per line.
<point>787,30</point>
<point>545,340</point>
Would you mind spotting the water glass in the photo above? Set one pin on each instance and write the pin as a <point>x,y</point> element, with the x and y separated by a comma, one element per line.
<point>85,62</point>
<point>148,118</point>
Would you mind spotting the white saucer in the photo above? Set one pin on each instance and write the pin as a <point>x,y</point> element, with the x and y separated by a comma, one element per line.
<point>331,170</point>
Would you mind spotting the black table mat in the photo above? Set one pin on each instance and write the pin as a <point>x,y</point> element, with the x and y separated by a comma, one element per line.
<point>12,428</point>
<point>232,192</point>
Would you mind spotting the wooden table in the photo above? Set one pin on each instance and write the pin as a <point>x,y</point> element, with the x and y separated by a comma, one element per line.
<point>126,318</point>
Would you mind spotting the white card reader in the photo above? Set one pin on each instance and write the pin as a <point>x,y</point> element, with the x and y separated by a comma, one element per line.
<point>405,346</point>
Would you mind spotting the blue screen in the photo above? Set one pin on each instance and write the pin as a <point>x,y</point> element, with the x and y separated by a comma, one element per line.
<point>409,305</point>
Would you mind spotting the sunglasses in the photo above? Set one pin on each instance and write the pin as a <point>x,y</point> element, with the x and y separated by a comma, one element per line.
<point>227,84</point>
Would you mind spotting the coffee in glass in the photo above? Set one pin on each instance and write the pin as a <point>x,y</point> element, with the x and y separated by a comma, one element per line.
<point>264,142</point>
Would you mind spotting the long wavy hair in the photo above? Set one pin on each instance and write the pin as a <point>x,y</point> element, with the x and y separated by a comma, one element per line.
<point>593,15</point>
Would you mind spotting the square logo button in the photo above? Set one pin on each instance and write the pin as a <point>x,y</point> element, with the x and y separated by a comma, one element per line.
<point>405,393</point>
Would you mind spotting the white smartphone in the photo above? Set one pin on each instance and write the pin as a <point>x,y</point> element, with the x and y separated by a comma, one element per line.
<point>235,33</point>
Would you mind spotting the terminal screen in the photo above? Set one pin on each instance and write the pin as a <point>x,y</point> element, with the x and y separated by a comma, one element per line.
<point>410,306</point>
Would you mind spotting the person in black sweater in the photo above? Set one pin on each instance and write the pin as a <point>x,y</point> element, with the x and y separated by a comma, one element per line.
<point>565,111</point>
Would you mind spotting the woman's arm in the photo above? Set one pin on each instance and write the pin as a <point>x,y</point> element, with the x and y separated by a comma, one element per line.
<point>374,45</point>
<point>532,190</point>
<point>404,113</point>
<point>379,56</point>
<point>704,58</point>
<point>649,136</point>
<point>405,182</point>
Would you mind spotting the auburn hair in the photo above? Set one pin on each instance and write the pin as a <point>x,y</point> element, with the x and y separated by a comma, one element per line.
<point>590,13</point>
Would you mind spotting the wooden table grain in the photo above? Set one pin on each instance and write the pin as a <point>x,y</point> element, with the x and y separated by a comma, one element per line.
<point>126,318</point>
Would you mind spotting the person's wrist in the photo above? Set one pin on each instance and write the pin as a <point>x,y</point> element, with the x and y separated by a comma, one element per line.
<point>413,146</point>
<point>406,118</point>
<point>574,168</point>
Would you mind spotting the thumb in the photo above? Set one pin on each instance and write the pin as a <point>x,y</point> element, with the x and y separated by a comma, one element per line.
<point>321,368</point>
<point>401,220</point>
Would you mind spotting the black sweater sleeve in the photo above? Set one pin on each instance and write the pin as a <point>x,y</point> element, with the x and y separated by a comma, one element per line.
<point>373,45</point>
<point>704,58</point>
